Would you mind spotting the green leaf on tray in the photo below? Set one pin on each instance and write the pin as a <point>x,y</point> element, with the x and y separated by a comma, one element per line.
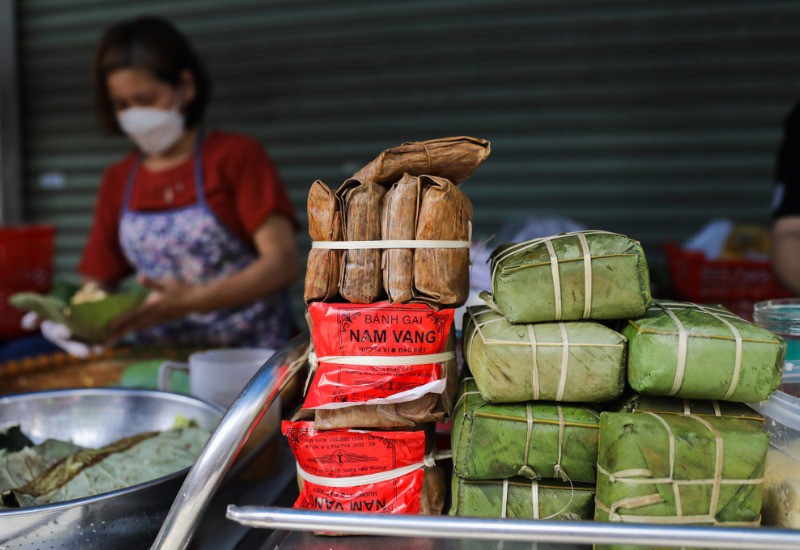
<point>87,472</point>
<point>88,321</point>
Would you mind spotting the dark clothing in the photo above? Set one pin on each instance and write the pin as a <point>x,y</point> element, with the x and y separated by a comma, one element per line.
<point>786,198</point>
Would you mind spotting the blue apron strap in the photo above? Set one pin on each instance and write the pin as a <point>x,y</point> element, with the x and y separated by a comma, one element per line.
<point>199,181</point>
<point>126,197</point>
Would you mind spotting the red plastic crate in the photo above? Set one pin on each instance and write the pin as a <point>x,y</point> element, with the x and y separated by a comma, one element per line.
<point>736,284</point>
<point>26,265</point>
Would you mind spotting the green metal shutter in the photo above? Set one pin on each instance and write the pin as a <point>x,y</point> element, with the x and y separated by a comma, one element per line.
<point>647,118</point>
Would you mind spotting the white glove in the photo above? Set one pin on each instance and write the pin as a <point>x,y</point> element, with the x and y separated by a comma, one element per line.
<point>60,335</point>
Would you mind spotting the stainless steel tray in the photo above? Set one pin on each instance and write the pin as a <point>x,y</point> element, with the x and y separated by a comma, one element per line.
<point>205,476</point>
<point>126,518</point>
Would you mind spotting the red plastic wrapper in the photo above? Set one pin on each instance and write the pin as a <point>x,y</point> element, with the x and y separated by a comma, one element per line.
<point>346,336</point>
<point>333,465</point>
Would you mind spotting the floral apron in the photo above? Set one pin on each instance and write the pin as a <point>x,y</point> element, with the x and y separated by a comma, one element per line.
<point>190,244</point>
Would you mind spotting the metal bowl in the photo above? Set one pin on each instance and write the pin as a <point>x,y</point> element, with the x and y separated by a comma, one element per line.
<point>128,518</point>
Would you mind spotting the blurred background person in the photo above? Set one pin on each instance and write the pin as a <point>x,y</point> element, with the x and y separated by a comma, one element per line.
<point>786,205</point>
<point>200,216</point>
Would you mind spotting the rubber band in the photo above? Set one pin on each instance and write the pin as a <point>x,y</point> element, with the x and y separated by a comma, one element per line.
<point>717,410</point>
<point>389,244</point>
<point>687,408</point>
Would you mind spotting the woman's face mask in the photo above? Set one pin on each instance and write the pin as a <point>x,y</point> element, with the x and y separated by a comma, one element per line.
<point>154,130</point>
<point>148,110</point>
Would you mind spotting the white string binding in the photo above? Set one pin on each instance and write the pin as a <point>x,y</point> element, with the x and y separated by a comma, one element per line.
<point>389,244</point>
<point>383,360</point>
<point>562,380</point>
<point>355,481</point>
<point>587,276</point>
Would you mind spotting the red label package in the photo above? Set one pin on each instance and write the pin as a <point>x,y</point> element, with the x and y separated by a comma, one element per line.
<point>357,471</point>
<point>377,353</point>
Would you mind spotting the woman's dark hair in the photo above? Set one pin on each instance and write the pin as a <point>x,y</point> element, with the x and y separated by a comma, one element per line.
<point>153,44</point>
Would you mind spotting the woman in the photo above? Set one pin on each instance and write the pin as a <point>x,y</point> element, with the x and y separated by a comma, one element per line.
<point>200,217</point>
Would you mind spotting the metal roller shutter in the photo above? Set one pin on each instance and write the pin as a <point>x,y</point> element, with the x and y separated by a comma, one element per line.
<point>647,118</point>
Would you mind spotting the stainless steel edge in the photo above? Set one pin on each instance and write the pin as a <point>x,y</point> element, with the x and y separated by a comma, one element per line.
<point>225,443</point>
<point>564,532</point>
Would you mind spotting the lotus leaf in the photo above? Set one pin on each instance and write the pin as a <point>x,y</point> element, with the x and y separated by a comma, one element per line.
<point>534,440</point>
<point>582,275</point>
<point>527,362</point>
<point>63,473</point>
<point>702,352</point>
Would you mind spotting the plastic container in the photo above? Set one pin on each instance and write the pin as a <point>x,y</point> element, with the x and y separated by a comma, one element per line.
<point>782,317</point>
<point>782,480</point>
<point>26,265</point>
<point>736,284</point>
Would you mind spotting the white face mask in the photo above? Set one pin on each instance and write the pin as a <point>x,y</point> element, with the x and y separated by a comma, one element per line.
<point>153,130</point>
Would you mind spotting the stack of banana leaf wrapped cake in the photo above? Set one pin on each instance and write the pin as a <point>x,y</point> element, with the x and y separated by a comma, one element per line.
<point>388,266</point>
<point>544,417</point>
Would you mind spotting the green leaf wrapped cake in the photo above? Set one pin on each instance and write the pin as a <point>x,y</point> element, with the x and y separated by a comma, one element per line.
<point>577,361</point>
<point>680,469</point>
<point>531,440</point>
<point>522,499</point>
<point>702,352</point>
<point>573,276</point>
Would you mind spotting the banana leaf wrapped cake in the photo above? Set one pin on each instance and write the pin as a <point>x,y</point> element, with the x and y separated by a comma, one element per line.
<point>531,440</point>
<point>522,499</point>
<point>454,158</point>
<point>324,225</point>
<point>702,352</point>
<point>675,469</point>
<point>426,209</point>
<point>569,277</point>
<point>575,361</point>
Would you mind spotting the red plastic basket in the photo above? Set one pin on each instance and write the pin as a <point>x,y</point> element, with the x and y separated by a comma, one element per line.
<point>26,264</point>
<point>736,284</point>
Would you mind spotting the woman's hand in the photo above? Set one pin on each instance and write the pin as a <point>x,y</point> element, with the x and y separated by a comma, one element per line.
<point>168,300</point>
